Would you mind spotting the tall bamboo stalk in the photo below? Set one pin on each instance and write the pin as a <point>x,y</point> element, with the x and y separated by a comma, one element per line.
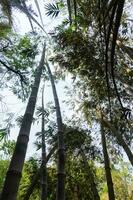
<point>14,173</point>
<point>110,186</point>
<point>61,147</point>
<point>44,170</point>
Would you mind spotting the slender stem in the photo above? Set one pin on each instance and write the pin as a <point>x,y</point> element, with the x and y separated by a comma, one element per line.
<point>61,148</point>
<point>44,170</point>
<point>111,194</point>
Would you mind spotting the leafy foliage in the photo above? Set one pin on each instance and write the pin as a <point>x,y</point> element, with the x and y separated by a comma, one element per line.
<point>52,9</point>
<point>18,59</point>
<point>8,148</point>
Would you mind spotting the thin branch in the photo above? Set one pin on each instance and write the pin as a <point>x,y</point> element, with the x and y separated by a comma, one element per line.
<point>17,72</point>
<point>3,48</point>
<point>2,78</point>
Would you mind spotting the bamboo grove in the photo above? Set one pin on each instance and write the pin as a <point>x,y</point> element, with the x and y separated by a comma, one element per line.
<point>86,155</point>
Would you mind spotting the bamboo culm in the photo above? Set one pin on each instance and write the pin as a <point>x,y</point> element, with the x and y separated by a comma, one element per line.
<point>110,186</point>
<point>60,195</point>
<point>44,167</point>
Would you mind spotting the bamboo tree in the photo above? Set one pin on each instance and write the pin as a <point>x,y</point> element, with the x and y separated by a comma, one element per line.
<point>15,169</point>
<point>111,194</point>
<point>44,170</point>
<point>61,148</point>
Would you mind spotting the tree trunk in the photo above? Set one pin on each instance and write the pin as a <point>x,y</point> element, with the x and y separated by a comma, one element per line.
<point>90,177</point>
<point>44,169</point>
<point>14,173</point>
<point>119,138</point>
<point>61,148</point>
<point>111,194</point>
<point>38,174</point>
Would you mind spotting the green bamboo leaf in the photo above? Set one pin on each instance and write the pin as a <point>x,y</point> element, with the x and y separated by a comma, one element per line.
<point>3,133</point>
<point>52,9</point>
